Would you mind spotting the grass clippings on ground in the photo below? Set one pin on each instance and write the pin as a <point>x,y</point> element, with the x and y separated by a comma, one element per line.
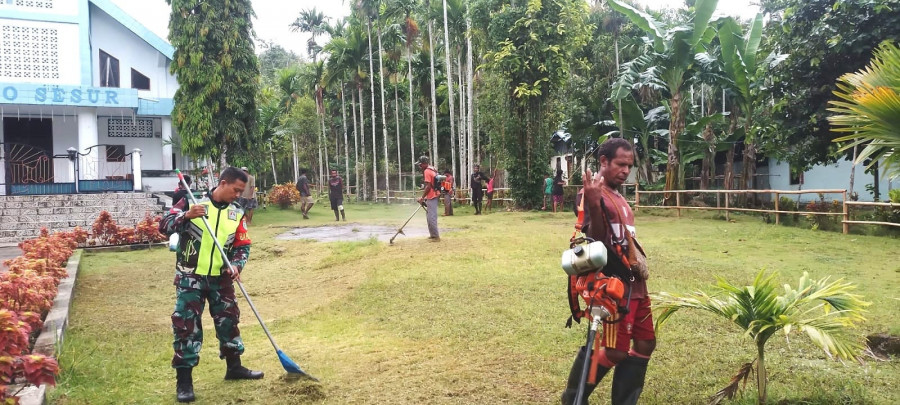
<point>478,318</point>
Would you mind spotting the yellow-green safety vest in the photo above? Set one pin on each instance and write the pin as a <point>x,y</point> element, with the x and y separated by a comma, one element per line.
<point>224,222</point>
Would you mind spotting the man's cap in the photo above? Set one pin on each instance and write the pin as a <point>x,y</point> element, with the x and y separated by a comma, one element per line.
<point>424,160</point>
<point>244,168</point>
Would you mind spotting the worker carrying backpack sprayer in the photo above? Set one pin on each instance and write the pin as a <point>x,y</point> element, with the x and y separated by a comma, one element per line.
<point>607,271</point>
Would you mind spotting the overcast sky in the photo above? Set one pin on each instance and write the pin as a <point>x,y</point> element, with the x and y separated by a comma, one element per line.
<point>273,17</point>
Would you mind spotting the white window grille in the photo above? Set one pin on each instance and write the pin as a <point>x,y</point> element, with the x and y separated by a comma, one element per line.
<point>35,3</point>
<point>29,52</point>
<point>28,3</point>
<point>128,128</point>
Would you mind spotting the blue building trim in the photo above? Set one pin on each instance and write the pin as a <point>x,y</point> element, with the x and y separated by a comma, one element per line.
<point>160,107</point>
<point>38,16</point>
<point>57,94</point>
<point>84,20</point>
<point>141,31</point>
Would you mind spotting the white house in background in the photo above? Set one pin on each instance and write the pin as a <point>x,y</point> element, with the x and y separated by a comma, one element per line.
<point>81,75</point>
<point>834,176</point>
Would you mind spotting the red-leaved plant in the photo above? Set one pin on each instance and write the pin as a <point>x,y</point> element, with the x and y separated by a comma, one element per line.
<point>147,231</point>
<point>26,295</point>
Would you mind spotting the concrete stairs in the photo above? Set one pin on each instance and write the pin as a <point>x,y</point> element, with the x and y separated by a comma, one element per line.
<point>22,217</point>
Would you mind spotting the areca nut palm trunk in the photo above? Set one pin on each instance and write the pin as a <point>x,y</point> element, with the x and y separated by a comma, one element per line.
<point>346,143</point>
<point>434,133</point>
<point>384,130</point>
<point>372,94</point>
<point>397,127</point>
<point>362,137</point>
<point>272,158</point>
<point>471,91</point>
<point>454,136</point>
<point>461,142</point>
<point>296,160</point>
<point>412,142</point>
<point>355,146</point>
<point>449,85</point>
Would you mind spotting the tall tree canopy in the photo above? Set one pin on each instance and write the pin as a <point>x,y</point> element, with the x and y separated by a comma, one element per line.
<point>533,46</point>
<point>215,105</point>
<point>826,39</point>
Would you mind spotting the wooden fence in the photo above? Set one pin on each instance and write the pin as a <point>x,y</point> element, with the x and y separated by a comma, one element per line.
<point>724,201</point>
<point>727,195</point>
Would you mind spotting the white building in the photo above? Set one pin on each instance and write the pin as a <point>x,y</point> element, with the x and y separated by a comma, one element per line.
<point>82,76</point>
<point>828,177</point>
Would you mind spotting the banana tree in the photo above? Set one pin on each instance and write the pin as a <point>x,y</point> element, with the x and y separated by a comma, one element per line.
<point>668,59</point>
<point>742,65</point>
<point>640,128</point>
<point>869,110</point>
<point>825,311</point>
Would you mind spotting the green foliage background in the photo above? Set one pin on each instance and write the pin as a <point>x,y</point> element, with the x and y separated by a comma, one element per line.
<point>215,106</point>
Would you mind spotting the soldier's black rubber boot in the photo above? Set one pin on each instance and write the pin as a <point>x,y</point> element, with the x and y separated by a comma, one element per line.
<point>571,391</point>
<point>238,372</point>
<point>344,217</point>
<point>628,380</point>
<point>336,218</point>
<point>184,386</point>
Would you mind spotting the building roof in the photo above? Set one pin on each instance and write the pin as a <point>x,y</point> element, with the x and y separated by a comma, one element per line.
<point>134,26</point>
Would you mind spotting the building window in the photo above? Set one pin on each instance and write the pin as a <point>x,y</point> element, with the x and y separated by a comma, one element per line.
<point>115,153</point>
<point>109,70</point>
<point>796,176</point>
<point>139,81</point>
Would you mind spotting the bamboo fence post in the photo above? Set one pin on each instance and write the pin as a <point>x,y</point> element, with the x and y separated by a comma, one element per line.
<point>777,214</point>
<point>678,202</point>
<point>718,199</point>
<point>726,207</point>
<point>637,195</point>
<point>846,225</point>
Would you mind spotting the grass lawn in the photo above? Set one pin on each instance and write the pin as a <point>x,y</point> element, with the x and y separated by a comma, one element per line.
<point>478,318</point>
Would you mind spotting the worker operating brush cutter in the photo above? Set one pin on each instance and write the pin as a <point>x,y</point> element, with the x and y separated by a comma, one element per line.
<point>607,271</point>
<point>209,260</point>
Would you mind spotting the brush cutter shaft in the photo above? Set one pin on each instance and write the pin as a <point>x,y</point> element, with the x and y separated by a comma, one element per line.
<point>585,369</point>
<point>228,262</point>
<point>399,231</point>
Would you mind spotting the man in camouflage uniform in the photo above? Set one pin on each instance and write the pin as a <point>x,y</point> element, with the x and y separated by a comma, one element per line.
<point>201,275</point>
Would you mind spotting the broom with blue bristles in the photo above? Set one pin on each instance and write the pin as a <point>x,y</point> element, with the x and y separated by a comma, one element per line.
<point>289,365</point>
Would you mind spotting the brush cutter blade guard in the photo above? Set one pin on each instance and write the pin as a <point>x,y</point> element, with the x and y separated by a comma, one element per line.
<point>292,367</point>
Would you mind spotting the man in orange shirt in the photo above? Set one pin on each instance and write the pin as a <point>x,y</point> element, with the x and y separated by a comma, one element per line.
<point>430,198</point>
<point>447,189</point>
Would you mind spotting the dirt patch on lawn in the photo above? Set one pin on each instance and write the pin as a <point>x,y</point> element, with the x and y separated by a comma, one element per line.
<point>350,232</point>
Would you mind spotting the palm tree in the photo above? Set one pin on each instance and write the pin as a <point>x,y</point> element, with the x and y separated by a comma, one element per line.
<point>449,73</point>
<point>270,112</point>
<point>823,310</point>
<point>869,108</point>
<point>470,116</point>
<point>347,57</point>
<point>434,152</point>
<point>291,89</point>
<point>411,31</point>
<point>668,59</point>
<point>313,22</point>
<point>387,183</point>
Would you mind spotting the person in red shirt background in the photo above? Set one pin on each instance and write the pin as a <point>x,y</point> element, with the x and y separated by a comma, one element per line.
<point>447,189</point>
